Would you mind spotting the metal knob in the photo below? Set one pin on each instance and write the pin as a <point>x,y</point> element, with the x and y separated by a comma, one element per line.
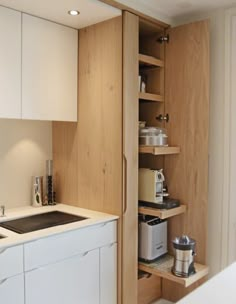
<point>162,39</point>
<point>162,118</point>
<point>2,213</point>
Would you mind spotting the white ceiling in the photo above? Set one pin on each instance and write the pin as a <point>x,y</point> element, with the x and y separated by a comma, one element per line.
<point>171,10</point>
<point>94,11</point>
<point>91,11</point>
<point>176,8</point>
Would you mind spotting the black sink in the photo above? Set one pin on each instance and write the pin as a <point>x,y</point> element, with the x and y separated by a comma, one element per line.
<point>40,221</point>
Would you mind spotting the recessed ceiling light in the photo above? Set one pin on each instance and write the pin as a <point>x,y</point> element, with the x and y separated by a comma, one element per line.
<point>73,12</point>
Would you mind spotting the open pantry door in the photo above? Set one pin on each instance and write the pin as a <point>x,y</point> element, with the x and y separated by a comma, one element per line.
<point>187,103</point>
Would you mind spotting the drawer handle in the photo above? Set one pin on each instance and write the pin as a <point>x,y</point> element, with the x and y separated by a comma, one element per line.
<point>103,225</point>
<point>84,254</point>
<point>3,281</point>
<point>99,226</point>
<point>2,251</point>
<point>110,245</point>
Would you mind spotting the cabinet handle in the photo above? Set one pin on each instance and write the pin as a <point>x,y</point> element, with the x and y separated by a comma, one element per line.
<point>84,254</point>
<point>102,225</point>
<point>111,245</point>
<point>125,185</point>
<point>3,250</point>
<point>3,281</point>
<point>98,226</point>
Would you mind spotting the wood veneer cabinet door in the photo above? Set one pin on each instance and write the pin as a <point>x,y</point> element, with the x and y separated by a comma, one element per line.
<point>187,103</point>
<point>130,159</point>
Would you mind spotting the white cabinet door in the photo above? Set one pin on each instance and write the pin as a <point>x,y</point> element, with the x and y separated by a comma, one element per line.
<point>71,281</point>
<point>10,63</point>
<point>49,70</point>
<point>12,290</point>
<point>108,274</point>
<point>11,261</point>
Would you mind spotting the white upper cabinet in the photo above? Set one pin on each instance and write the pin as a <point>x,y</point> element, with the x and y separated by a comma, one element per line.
<point>49,70</point>
<point>10,63</point>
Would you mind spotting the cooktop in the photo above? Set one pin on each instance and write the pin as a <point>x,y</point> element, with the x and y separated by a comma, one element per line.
<point>40,221</point>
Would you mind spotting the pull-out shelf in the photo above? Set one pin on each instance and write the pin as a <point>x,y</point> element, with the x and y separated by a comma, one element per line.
<point>162,213</point>
<point>159,150</point>
<point>146,61</point>
<point>162,269</point>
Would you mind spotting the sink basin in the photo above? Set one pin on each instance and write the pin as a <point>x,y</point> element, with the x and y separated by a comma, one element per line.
<point>40,221</point>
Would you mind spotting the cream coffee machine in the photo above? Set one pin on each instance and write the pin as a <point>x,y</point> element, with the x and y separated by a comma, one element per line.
<point>152,191</point>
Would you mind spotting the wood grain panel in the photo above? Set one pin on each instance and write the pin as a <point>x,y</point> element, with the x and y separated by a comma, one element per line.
<point>88,154</point>
<point>65,156</point>
<point>100,117</point>
<point>187,103</point>
<point>149,290</point>
<point>130,151</point>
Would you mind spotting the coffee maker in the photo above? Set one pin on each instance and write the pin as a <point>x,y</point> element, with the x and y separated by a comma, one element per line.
<point>153,191</point>
<point>151,185</point>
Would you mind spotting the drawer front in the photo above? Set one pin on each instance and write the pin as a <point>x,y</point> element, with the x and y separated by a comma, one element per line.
<point>74,280</point>
<point>12,290</point>
<point>11,261</point>
<point>108,274</point>
<point>55,248</point>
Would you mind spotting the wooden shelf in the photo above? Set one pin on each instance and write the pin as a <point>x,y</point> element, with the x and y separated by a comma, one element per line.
<point>157,150</point>
<point>151,97</point>
<point>162,213</point>
<point>162,269</point>
<point>149,61</point>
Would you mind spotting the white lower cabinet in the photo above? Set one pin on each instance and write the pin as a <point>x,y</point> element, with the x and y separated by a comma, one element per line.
<point>76,267</point>
<point>12,290</point>
<point>72,281</point>
<point>108,274</point>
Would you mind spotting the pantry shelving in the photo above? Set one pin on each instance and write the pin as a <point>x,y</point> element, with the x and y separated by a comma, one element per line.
<point>151,97</point>
<point>162,213</point>
<point>146,61</point>
<point>162,268</point>
<point>159,150</point>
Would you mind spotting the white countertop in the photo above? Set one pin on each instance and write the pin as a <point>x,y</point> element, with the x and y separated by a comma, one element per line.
<point>218,290</point>
<point>13,238</point>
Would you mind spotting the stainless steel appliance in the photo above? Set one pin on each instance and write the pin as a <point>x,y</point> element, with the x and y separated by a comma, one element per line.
<point>152,136</point>
<point>184,248</point>
<point>152,238</point>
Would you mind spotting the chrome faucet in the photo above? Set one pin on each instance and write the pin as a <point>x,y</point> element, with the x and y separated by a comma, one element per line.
<point>2,213</point>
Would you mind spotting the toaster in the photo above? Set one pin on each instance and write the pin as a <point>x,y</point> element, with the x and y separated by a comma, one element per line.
<point>152,238</point>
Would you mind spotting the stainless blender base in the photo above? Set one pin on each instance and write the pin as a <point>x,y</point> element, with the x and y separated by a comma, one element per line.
<point>182,274</point>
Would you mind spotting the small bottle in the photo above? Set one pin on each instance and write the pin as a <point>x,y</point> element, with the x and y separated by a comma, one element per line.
<point>49,182</point>
<point>37,191</point>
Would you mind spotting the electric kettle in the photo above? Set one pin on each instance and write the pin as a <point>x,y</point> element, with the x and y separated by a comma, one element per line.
<point>184,248</point>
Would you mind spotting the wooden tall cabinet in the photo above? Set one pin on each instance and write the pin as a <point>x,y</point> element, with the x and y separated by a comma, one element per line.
<point>96,160</point>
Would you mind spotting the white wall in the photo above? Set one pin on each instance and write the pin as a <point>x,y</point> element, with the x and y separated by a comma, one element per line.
<point>24,148</point>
